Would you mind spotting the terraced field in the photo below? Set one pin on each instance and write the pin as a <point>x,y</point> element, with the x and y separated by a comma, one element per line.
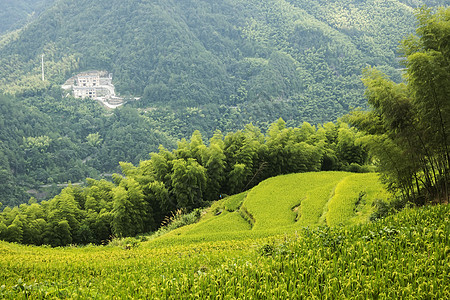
<point>405,256</point>
<point>288,203</point>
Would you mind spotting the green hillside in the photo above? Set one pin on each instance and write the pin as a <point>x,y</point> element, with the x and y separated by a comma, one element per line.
<point>289,203</point>
<point>49,140</point>
<point>15,13</point>
<point>249,214</point>
<point>403,256</point>
<point>197,65</point>
<point>300,60</point>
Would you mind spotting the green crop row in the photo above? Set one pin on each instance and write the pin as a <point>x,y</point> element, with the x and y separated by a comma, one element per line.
<point>291,201</point>
<point>271,202</point>
<point>405,256</point>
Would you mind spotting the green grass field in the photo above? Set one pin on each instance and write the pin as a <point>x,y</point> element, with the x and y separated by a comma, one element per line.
<point>287,203</point>
<point>226,255</point>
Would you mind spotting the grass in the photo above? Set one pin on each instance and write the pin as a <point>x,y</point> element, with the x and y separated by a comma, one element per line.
<point>234,202</point>
<point>311,208</point>
<point>229,221</point>
<point>353,198</point>
<point>287,203</point>
<point>302,200</point>
<point>271,203</point>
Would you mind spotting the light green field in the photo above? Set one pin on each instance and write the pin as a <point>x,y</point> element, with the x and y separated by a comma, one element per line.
<point>254,246</point>
<point>405,256</point>
<point>343,207</point>
<point>287,203</point>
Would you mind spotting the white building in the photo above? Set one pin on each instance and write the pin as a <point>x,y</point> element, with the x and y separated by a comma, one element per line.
<point>92,84</point>
<point>95,85</point>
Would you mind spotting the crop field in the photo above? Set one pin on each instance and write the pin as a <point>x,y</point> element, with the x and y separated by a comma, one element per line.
<point>272,202</point>
<point>289,202</point>
<point>234,252</point>
<point>352,199</point>
<point>405,256</point>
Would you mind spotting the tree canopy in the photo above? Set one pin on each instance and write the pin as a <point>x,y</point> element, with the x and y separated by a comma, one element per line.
<point>299,60</point>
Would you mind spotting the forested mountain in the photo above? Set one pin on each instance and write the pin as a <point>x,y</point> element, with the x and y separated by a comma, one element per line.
<point>262,56</point>
<point>196,64</point>
<point>15,13</point>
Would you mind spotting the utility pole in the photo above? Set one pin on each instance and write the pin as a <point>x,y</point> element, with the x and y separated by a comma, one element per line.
<point>42,63</point>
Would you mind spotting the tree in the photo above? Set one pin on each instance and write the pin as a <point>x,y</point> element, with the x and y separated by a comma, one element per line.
<point>428,75</point>
<point>3,231</point>
<point>131,213</point>
<point>409,122</point>
<point>188,183</point>
<point>62,234</point>
<point>236,178</point>
<point>157,196</point>
<point>348,150</point>
<point>197,147</point>
<point>215,170</point>
<point>14,232</point>
<point>64,207</point>
<point>35,231</point>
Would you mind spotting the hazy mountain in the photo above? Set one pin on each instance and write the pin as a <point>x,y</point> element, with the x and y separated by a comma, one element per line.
<point>15,13</point>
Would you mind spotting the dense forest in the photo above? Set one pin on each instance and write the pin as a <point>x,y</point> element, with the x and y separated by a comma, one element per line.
<point>49,139</point>
<point>197,53</point>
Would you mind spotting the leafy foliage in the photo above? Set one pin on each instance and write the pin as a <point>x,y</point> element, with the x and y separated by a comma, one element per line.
<point>299,60</point>
<point>47,140</point>
<point>15,14</point>
<point>197,65</point>
<point>409,122</point>
<point>187,178</point>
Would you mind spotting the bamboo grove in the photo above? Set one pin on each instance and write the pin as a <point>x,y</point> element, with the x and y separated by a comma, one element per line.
<point>408,124</point>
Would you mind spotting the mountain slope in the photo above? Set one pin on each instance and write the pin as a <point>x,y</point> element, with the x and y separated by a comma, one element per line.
<point>299,60</point>
<point>15,13</point>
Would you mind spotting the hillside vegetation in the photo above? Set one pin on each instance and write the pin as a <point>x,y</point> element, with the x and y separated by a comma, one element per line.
<point>288,203</point>
<point>16,13</point>
<point>197,65</point>
<point>408,123</point>
<point>263,59</point>
<point>403,256</point>
<point>48,140</point>
<point>280,235</point>
<point>186,178</point>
